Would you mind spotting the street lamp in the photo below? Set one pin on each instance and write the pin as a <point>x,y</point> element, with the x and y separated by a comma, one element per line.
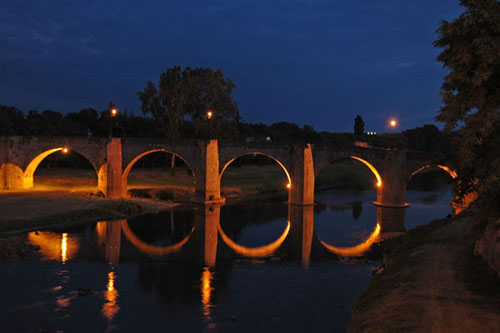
<point>114,114</point>
<point>65,150</point>
<point>393,123</point>
<point>210,115</point>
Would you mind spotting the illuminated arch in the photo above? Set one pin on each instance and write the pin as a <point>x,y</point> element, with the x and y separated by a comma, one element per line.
<point>257,153</point>
<point>256,252</point>
<point>138,157</point>
<point>33,165</point>
<point>155,251</point>
<point>372,169</point>
<point>451,172</point>
<point>354,251</point>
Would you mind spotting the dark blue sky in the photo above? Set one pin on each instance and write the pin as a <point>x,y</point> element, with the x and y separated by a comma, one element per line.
<point>316,62</point>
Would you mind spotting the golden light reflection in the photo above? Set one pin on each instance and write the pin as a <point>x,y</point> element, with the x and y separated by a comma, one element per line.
<point>354,251</point>
<point>255,252</point>
<point>151,250</point>
<point>372,168</point>
<point>111,307</point>
<point>206,291</point>
<point>64,247</point>
<point>54,246</point>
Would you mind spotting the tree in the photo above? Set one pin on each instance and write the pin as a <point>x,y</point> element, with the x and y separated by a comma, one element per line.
<point>471,98</point>
<point>190,93</point>
<point>359,125</point>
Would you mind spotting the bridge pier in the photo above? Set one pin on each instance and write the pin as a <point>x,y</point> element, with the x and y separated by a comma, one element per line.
<point>392,192</point>
<point>302,176</point>
<point>207,180</point>
<point>113,170</point>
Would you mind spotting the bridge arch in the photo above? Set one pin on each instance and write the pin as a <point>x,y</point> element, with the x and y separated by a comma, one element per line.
<point>34,162</point>
<point>255,252</point>
<point>370,166</point>
<point>448,170</point>
<point>287,173</point>
<point>127,169</point>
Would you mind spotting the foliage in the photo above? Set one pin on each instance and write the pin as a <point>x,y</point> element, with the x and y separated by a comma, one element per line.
<point>359,125</point>
<point>190,93</point>
<point>471,97</point>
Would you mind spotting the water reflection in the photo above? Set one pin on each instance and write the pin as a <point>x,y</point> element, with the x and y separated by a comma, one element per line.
<point>54,246</point>
<point>110,308</point>
<point>206,292</point>
<point>202,240</point>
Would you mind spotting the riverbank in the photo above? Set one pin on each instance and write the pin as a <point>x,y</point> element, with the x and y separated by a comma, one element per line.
<point>24,211</point>
<point>432,282</point>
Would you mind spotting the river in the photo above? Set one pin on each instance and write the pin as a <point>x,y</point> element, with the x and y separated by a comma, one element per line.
<point>250,266</point>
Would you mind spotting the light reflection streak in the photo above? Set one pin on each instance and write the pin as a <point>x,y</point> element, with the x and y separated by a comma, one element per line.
<point>111,307</point>
<point>64,247</point>
<point>206,292</point>
<point>354,251</point>
<point>255,252</point>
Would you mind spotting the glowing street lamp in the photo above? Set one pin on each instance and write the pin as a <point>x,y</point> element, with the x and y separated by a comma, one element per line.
<point>210,115</point>
<point>65,150</point>
<point>393,123</point>
<point>114,114</point>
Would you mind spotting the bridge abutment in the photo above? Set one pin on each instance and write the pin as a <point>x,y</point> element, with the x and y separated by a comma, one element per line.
<point>302,176</point>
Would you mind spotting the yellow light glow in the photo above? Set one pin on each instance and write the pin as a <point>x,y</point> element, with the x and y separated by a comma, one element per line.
<point>372,168</point>
<point>65,150</point>
<point>206,291</point>
<point>209,114</point>
<point>354,251</point>
<point>113,112</point>
<point>30,169</point>
<point>452,173</point>
<point>288,185</point>
<point>111,307</point>
<point>393,123</point>
<point>255,252</point>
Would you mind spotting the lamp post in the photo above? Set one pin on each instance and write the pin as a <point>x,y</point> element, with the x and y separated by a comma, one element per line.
<point>210,115</point>
<point>393,123</point>
<point>114,114</point>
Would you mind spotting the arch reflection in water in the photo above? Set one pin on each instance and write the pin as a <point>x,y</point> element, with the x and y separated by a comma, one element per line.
<point>355,251</point>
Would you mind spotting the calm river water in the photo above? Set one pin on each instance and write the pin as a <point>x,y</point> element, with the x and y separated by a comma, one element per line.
<point>251,266</point>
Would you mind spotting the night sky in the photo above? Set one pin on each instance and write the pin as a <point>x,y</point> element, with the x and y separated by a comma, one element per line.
<point>315,62</point>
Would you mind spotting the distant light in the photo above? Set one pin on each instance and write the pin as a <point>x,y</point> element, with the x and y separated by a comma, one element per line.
<point>209,114</point>
<point>393,123</point>
<point>289,185</point>
<point>113,112</point>
<point>65,150</point>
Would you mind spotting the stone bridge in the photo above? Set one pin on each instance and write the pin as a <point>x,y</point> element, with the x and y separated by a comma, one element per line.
<point>113,158</point>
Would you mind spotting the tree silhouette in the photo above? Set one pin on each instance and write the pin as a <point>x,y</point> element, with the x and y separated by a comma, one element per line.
<point>471,98</point>
<point>359,125</point>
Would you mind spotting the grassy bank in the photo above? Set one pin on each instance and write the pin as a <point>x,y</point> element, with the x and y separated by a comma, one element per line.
<point>432,282</point>
<point>37,210</point>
